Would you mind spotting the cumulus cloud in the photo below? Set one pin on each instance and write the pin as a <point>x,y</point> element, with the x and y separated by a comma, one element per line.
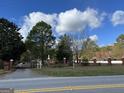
<point>94,37</point>
<point>72,20</point>
<point>80,41</point>
<point>118,17</point>
<point>33,18</point>
<point>76,20</point>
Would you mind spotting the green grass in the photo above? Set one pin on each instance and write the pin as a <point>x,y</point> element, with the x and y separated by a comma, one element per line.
<point>2,71</point>
<point>82,71</point>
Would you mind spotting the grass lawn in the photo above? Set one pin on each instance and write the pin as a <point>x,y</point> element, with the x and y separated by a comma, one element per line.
<point>2,71</point>
<point>82,71</point>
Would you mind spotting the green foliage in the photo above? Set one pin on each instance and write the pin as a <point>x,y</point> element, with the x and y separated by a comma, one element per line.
<point>26,56</point>
<point>11,46</point>
<point>82,71</point>
<point>120,39</point>
<point>40,40</point>
<point>85,61</point>
<point>64,49</point>
<point>115,51</point>
<point>118,50</point>
<point>52,53</point>
<point>88,48</point>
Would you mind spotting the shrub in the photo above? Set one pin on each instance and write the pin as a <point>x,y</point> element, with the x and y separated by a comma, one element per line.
<point>85,61</point>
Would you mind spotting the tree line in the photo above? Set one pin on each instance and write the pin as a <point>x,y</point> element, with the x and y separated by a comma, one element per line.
<point>41,44</point>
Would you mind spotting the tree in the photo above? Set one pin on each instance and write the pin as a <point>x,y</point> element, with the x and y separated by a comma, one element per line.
<point>89,47</point>
<point>120,39</point>
<point>104,52</point>
<point>118,48</point>
<point>11,46</point>
<point>77,42</point>
<point>64,49</point>
<point>40,40</point>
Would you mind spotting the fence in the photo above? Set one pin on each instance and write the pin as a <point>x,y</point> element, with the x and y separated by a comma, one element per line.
<point>109,61</point>
<point>106,62</point>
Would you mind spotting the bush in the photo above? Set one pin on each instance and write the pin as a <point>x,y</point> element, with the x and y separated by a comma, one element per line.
<point>85,61</point>
<point>59,65</point>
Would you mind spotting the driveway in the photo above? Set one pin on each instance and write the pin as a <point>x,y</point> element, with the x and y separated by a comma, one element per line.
<point>21,73</point>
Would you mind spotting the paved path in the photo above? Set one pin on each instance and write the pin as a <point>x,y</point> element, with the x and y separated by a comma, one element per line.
<point>95,84</point>
<point>21,73</point>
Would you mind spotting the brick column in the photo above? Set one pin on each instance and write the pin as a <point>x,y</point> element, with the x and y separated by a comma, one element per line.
<point>11,62</point>
<point>6,65</point>
<point>109,61</point>
<point>64,59</point>
<point>122,60</point>
<point>94,61</point>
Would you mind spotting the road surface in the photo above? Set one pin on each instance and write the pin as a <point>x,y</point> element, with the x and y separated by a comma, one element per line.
<point>21,73</point>
<point>94,84</point>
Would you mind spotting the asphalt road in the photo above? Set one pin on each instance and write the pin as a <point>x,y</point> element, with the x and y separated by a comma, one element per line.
<point>94,84</point>
<point>21,73</point>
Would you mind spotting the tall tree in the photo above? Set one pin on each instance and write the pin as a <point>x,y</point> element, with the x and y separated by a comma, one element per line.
<point>88,48</point>
<point>120,38</point>
<point>118,48</point>
<point>77,42</point>
<point>11,46</point>
<point>104,52</point>
<point>40,40</point>
<point>64,49</point>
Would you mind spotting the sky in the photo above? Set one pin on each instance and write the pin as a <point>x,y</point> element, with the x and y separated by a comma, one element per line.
<point>102,20</point>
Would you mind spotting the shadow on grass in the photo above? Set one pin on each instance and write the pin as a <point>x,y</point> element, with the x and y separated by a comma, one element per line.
<point>82,71</point>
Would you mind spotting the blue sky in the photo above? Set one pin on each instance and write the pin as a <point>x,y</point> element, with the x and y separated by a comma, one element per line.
<point>106,32</point>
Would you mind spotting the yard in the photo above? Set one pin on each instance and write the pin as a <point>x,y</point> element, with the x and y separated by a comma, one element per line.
<point>2,71</point>
<point>82,70</point>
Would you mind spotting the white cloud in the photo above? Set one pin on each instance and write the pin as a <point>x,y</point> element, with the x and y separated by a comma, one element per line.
<point>33,18</point>
<point>72,20</point>
<point>118,17</point>
<point>94,37</point>
<point>76,20</point>
<point>80,41</point>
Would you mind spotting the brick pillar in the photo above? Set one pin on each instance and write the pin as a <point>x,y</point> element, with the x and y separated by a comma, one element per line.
<point>109,61</point>
<point>94,61</point>
<point>122,60</point>
<point>10,65</point>
<point>6,65</point>
<point>64,59</point>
